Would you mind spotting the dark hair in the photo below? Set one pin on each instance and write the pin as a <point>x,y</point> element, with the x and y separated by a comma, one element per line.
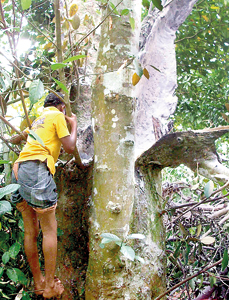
<point>53,100</point>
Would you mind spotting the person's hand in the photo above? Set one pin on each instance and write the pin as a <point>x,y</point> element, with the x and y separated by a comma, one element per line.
<point>71,120</point>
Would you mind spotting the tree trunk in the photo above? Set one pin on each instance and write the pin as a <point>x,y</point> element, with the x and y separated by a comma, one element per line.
<point>113,128</point>
<point>125,194</point>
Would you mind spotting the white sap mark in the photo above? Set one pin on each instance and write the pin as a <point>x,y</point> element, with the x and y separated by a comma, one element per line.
<point>119,282</point>
<point>96,158</point>
<point>113,125</point>
<point>113,111</point>
<point>96,224</point>
<point>95,191</point>
<point>93,124</point>
<point>112,83</point>
<point>115,119</point>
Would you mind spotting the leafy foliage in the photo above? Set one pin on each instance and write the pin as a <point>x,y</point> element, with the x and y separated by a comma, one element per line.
<point>13,270</point>
<point>197,235</point>
<point>202,55</point>
<point>125,249</point>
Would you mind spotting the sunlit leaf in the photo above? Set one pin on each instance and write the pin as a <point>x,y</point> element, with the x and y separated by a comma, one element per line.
<point>10,188</point>
<point>146,73</point>
<point>25,4</point>
<point>135,79</point>
<point>198,231</point>
<point>214,7</point>
<point>57,66</point>
<point>111,237</point>
<point>36,91</point>
<point>61,85</point>
<point>208,189</point>
<point>207,240</point>
<point>158,4</point>
<point>73,9</point>
<point>125,12</point>
<point>205,18</point>
<point>74,58</point>
<point>128,252</point>
<point>132,23</point>
<point>2,161</point>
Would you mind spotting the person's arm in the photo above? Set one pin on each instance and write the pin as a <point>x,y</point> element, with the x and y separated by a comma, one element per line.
<point>69,142</point>
<point>16,140</point>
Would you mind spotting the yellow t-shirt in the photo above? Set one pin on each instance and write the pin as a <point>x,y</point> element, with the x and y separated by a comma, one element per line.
<point>50,127</point>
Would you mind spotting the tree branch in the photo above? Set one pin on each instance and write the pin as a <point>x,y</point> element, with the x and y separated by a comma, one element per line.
<point>189,278</point>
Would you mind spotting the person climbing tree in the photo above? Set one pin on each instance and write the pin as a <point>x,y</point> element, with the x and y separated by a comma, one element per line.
<point>36,198</point>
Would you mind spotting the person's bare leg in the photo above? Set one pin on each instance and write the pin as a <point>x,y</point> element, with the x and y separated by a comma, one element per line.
<point>49,229</point>
<point>31,231</point>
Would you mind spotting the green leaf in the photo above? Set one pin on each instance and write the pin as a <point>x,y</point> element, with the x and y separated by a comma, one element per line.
<point>57,66</point>
<point>74,58</point>
<point>36,91</point>
<point>14,250</point>
<point>5,207</point>
<point>125,12</point>
<point>36,137</point>
<point>225,259</point>
<point>21,276</point>
<point>5,257</point>
<point>25,296</point>
<point>128,252</point>
<point>61,85</point>
<point>110,237</point>
<point>208,189</point>
<point>212,281</point>
<point>132,23</point>
<point>25,4</point>
<point>4,162</point>
<point>113,8</point>
<point>155,68</point>
<point>10,188</point>
<point>157,3</point>
<point>136,236</point>
<point>101,245</point>
<point>11,273</point>
<point>1,271</point>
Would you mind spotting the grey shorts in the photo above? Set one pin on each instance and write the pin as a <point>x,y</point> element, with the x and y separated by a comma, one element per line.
<point>37,186</point>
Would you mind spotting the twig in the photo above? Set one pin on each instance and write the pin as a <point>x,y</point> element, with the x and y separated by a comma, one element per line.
<point>7,143</point>
<point>94,29</point>
<point>189,278</point>
<point>201,202</point>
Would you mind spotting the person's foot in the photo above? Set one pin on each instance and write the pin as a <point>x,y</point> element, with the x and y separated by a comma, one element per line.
<point>54,291</point>
<point>39,287</point>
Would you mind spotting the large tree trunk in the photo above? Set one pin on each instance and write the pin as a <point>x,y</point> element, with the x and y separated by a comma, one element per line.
<point>113,128</point>
<point>125,194</point>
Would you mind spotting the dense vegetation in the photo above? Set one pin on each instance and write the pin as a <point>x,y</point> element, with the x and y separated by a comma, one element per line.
<point>202,59</point>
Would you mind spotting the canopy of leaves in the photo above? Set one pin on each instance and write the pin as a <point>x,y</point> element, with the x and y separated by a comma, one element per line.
<point>202,66</point>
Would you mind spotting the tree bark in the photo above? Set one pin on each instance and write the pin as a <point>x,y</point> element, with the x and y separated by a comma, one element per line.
<point>113,128</point>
